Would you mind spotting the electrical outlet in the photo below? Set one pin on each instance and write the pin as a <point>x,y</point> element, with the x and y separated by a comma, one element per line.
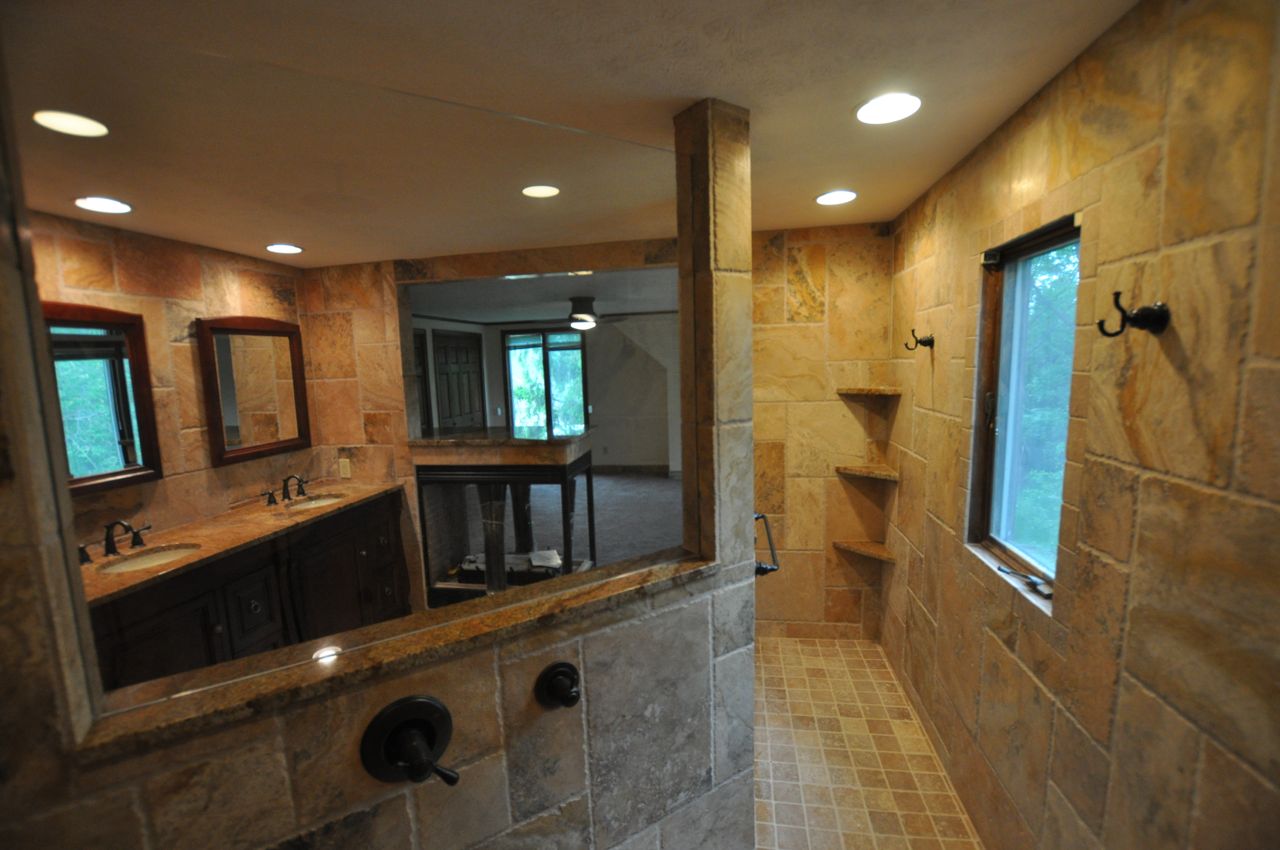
<point>498,411</point>
<point>344,467</point>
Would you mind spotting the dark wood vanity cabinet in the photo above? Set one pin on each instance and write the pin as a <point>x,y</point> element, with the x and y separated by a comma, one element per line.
<point>348,574</point>
<point>338,573</point>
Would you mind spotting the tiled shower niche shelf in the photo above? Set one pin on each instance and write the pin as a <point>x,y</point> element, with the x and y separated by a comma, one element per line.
<point>866,548</point>
<point>875,470</point>
<point>869,392</point>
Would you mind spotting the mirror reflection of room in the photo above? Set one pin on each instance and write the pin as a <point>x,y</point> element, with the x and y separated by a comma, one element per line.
<point>571,382</point>
<point>248,398</point>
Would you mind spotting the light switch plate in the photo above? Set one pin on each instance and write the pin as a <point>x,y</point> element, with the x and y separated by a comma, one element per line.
<point>344,467</point>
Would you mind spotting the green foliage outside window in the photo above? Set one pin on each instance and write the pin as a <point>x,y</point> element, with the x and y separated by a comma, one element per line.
<point>1037,347</point>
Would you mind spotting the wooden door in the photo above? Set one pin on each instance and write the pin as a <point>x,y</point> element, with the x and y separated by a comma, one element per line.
<point>459,379</point>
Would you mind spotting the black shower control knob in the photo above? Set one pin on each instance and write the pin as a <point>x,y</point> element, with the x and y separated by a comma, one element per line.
<point>407,739</point>
<point>560,685</point>
<point>565,690</point>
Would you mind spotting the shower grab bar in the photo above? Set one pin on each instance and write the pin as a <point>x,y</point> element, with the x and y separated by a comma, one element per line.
<point>763,569</point>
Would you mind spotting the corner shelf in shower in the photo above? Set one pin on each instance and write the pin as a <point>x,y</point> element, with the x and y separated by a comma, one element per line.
<point>869,392</point>
<point>875,470</point>
<point>866,548</point>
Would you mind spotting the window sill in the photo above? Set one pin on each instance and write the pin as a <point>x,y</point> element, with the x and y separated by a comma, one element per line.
<point>994,562</point>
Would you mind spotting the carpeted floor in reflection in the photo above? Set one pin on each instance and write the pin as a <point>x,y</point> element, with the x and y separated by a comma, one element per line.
<point>635,515</point>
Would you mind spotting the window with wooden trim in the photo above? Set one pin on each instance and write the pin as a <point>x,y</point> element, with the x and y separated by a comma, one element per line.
<point>104,396</point>
<point>1027,349</point>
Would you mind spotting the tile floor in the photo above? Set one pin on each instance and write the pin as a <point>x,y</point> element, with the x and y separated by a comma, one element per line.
<point>842,763</point>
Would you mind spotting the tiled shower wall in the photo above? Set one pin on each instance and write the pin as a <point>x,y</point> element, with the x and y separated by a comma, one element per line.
<point>350,333</point>
<point>821,321</point>
<point>1140,712</point>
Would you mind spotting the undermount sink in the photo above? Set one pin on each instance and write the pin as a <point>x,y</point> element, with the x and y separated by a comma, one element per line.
<point>319,500</point>
<point>152,557</point>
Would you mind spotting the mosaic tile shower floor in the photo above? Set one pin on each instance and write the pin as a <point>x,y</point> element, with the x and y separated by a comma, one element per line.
<point>842,763</point>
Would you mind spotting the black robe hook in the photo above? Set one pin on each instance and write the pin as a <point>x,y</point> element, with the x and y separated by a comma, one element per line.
<point>926,341</point>
<point>1154,318</point>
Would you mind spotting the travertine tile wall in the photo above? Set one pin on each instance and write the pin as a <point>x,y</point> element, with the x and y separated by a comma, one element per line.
<point>350,340</point>
<point>1140,711</point>
<point>822,302</point>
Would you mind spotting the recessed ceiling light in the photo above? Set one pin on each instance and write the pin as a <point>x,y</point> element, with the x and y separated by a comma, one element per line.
<point>98,204</point>
<point>888,108</point>
<point>540,191</point>
<point>69,123</point>
<point>836,197</point>
<point>284,248</point>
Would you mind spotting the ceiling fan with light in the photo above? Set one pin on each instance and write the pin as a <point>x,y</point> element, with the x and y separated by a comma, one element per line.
<point>583,316</point>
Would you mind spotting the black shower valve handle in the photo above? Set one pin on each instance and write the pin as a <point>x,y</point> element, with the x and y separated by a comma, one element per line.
<point>558,686</point>
<point>407,739</point>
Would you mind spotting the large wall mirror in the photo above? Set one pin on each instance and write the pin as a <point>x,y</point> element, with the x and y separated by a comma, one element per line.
<point>255,390</point>
<point>288,519</point>
<point>104,396</point>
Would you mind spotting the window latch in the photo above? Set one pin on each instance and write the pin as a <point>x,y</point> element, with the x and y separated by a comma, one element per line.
<point>1035,584</point>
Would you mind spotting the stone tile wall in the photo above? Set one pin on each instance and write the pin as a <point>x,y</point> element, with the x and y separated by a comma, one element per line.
<point>350,337</point>
<point>822,301</point>
<point>1140,711</point>
<point>654,748</point>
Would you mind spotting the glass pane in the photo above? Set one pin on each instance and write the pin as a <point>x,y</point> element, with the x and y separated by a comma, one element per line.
<point>1036,345</point>
<point>87,399</point>
<point>528,393</point>
<point>564,340</point>
<point>78,331</point>
<point>568,412</point>
<point>524,340</point>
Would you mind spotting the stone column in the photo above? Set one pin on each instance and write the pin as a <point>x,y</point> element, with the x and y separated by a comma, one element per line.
<point>713,181</point>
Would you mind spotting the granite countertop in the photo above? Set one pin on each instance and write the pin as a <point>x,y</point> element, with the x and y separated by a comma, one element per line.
<point>474,437</point>
<point>244,525</point>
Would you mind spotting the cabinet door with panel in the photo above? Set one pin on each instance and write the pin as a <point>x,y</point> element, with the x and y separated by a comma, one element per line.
<point>325,583</point>
<point>383,582</point>
<point>182,635</point>
<point>255,616</point>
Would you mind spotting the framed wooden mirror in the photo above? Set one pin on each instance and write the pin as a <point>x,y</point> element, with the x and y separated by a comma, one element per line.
<point>104,396</point>
<point>255,390</point>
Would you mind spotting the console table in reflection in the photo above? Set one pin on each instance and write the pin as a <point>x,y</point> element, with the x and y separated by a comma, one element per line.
<point>494,461</point>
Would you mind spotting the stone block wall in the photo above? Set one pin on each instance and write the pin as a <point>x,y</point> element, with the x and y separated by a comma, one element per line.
<point>657,754</point>
<point>821,320</point>
<point>1139,709</point>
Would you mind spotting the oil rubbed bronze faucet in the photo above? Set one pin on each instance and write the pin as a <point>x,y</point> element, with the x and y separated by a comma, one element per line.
<point>109,541</point>
<point>284,487</point>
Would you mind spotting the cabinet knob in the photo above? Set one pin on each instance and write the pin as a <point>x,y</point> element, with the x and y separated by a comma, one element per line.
<point>382,541</point>
<point>363,553</point>
<point>386,590</point>
<point>255,607</point>
<point>218,629</point>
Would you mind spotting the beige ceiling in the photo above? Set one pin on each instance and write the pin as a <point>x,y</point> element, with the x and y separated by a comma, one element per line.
<point>401,128</point>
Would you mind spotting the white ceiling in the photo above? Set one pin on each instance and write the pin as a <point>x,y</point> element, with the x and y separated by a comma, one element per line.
<point>545,298</point>
<point>399,128</point>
